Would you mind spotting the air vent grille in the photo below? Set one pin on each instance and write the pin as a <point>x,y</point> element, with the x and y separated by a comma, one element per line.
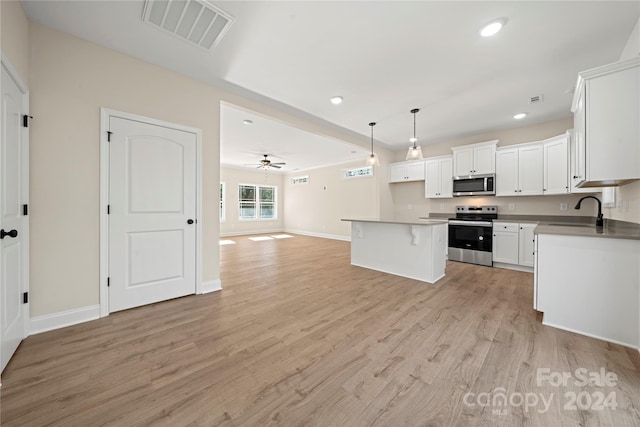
<point>195,21</point>
<point>535,99</point>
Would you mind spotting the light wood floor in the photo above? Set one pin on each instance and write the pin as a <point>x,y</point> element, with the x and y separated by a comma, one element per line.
<point>299,337</point>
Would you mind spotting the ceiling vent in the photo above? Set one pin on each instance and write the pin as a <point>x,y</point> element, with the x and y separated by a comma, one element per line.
<point>535,99</point>
<point>196,21</point>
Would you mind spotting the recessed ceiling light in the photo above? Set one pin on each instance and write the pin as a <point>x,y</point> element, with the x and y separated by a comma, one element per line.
<point>247,122</point>
<point>520,116</point>
<point>335,100</point>
<point>492,27</point>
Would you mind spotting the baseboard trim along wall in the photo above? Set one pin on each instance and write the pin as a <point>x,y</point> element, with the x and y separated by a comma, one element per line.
<point>211,286</point>
<point>62,319</point>
<point>322,235</point>
<point>250,232</point>
<point>575,331</point>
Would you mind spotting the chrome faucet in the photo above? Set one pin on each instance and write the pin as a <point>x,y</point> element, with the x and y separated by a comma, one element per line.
<point>599,220</point>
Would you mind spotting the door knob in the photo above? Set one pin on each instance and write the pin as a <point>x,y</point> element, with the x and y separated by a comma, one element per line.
<point>12,233</point>
<point>189,221</point>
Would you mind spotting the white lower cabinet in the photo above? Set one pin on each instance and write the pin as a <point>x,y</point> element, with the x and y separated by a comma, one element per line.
<point>589,285</point>
<point>513,244</point>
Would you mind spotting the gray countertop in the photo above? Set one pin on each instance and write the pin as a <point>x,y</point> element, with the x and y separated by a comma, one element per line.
<point>425,221</point>
<point>570,225</point>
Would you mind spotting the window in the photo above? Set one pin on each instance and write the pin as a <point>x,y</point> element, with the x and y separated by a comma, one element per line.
<point>221,213</point>
<point>257,201</point>
<point>300,180</point>
<point>357,172</point>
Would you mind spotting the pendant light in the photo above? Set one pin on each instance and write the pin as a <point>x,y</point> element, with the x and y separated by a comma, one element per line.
<point>372,160</point>
<point>414,152</point>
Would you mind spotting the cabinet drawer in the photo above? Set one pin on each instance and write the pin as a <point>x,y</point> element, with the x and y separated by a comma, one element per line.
<point>506,226</point>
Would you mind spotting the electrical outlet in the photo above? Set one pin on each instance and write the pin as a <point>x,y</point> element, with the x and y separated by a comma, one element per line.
<point>512,206</point>
<point>563,206</point>
<point>409,206</point>
<point>441,206</point>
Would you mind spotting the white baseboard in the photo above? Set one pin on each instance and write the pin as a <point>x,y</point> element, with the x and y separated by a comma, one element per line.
<point>211,286</point>
<point>52,321</point>
<point>575,331</point>
<point>250,232</point>
<point>322,235</point>
<point>513,267</point>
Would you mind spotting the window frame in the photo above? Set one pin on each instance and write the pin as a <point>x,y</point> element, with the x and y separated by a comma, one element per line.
<point>258,204</point>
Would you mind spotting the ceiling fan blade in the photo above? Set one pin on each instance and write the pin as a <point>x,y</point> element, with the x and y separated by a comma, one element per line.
<point>275,165</point>
<point>279,163</point>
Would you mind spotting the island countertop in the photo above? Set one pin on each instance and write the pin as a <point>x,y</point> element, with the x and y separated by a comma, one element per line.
<point>426,221</point>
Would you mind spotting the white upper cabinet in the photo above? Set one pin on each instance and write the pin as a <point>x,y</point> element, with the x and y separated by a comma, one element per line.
<point>556,165</point>
<point>606,108</point>
<point>519,170</point>
<point>439,176</point>
<point>406,171</point>
<point>475,159</point>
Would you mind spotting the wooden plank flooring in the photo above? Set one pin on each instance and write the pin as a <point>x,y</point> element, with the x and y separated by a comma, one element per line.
<point>299,337</point>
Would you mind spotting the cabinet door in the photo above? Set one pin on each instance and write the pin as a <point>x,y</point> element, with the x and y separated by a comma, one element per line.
<point>505,247</point>
<point>484,159</point>
<point>397,173</point>
<point>463,162</point>
<point>415,171</point>
<point>432,175</point>
<point>526,247</point>
<point>556,173</point>
<point>446,177</point>
<point>507,172</point>
<point>612,132</point>
<point>530,170</point>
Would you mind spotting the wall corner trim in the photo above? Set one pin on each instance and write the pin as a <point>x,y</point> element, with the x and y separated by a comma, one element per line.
<point>211,286</point>
<point>62,319</point>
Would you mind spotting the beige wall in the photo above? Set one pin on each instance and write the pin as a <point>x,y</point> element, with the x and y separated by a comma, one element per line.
<point>232,225</point>
<point>70,80</point>
<point>14,37</point>
<point>317,207</point>
<point>409,201</point>
<point>511,136</point>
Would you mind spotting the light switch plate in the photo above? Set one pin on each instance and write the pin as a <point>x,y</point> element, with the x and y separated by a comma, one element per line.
<point>563,206</point>
<point>512,206</point>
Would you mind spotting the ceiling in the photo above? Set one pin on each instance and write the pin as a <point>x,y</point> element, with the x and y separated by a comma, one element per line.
<point>383,57</point>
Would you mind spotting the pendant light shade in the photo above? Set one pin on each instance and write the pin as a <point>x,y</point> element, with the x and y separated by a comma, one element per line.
<point>415,152</point>
<point>372,160</point>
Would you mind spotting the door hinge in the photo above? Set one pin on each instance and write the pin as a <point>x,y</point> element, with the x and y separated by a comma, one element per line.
<point>109,133</point>
<point>108,281</point>
<point>108,209</point>
<point>25,297</point>
<point>25,120</point>
<point>25,210</point>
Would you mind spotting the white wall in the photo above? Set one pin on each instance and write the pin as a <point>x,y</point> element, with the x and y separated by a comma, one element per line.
<point>232,225</point>
<point>628,196</point>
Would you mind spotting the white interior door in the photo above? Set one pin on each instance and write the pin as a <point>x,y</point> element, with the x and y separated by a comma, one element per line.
<point>152,222</point>
<point>13,224</point>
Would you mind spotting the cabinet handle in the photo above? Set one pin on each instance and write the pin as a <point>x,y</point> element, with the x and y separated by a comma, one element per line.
<point>575,176</point>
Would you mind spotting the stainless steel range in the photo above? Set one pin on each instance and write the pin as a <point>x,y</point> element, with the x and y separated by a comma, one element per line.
<point>471,234</point>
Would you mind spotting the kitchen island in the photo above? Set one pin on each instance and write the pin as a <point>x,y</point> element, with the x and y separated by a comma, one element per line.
<point>413,249</point>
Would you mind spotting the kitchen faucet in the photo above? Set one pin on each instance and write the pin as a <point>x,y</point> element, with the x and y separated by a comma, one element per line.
<point>599,220</point>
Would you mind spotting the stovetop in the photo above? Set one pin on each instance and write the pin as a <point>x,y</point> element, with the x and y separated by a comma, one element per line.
<point>476,213</point>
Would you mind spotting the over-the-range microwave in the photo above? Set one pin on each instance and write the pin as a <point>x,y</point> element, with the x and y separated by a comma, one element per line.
<point>474,185</point>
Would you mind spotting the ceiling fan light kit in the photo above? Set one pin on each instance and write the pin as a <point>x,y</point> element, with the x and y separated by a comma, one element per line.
<point>415,152</point>
<point>268,164</point>
<point>372,160</point>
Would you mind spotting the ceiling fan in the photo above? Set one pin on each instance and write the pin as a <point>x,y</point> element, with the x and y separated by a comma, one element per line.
<point>266,163</point>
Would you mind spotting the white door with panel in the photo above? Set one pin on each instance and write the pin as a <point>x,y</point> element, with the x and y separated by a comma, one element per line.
<point>439,177</point>
<point>530,170</point>
<point>505,243</point>
<point>526,250</point>
<point>152,220</point>
<point>13,221</point>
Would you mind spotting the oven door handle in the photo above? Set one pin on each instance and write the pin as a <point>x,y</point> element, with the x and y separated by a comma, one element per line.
<point>478,223</point>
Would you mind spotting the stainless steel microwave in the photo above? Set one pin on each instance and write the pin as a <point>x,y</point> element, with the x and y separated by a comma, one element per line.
<point>474,185</point>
